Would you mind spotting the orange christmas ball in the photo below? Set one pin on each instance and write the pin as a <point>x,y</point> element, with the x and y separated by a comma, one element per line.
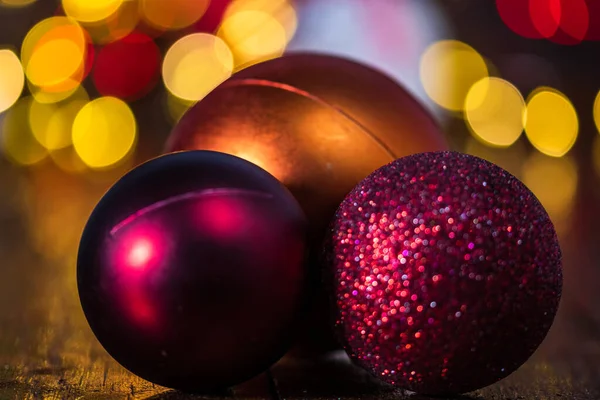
<point>320,124</point>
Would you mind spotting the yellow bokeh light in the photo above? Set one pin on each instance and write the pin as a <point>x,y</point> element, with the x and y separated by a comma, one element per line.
<point>509,158</point>
<point>104,132</point>
<point>16,3</point>
<point>53,54</point>
<point>596,155</point>
<point>541,174</point>
<point>551,122</point>
<point>195,65</point>
<point>280,10</point>
<point>495,110</point>
<point>116,26</point>
<point>448,70</point>
<point>67,160</point>
<point>47,95</point>
<point>51,124</point>
<point>12,79</point>
<point>257,30</point>
<point>90,10</point>
<point>176,106</point>
<point>172,14</point>
<point>597,111</point>
<point>18,142</point>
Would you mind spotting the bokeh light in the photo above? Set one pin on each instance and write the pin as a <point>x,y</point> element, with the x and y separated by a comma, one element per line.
<point>116,26</point>
<point>54,54</point>
<point>596,155</point>
<point>561,21</point>
<point>515,14</point>
<point>196,64</point>
<point>257,30</point>
<point>18,142</point>
<point>172,14</point>
<point>551,123</point>
<point>104,132</point>
<point>510,158</point>
<point>596,111</point>
<point>176,106</point>
<point>128,68</point>
<point>90,10</point>
<point>51,123</point>
<point>494,110</point>
<point>16,3</point>
<point>68,161</point>
<point>12,79</point>
<point>542,174</point>
<point>448,69</point>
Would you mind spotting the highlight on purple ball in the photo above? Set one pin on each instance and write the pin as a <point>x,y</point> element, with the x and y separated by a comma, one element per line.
<point>182,258</point>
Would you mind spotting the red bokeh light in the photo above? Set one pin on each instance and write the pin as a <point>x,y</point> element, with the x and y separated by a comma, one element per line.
<point>213,16</point>
<point>128,68</point>
<point>561,21</point>
<point>515,14</point>
<point>593,32</point>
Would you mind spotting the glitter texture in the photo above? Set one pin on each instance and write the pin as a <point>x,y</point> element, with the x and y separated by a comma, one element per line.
<point>447,273</point>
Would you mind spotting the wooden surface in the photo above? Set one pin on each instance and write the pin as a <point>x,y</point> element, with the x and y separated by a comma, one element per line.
<point>48,352</point>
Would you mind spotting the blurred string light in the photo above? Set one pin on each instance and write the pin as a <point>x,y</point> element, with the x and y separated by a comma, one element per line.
<point>196,64</point>
<point>116,26</point>
<point>12,79</point>
<point>55,56</point>
<point>127,68</point>
<point>257,30</point>
<point>90,10</point>
<point>104,132</point>
<point>51,123</point>
<point>541,174</point>
<point>448,70</point>
<point>561,21</point>
<point>551,123</point>
<point>495,110</point>
<point>172,14</point>
<point>510,158</point>
<point>18,142</point>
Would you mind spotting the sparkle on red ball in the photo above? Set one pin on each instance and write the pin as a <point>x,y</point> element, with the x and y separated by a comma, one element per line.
<point>447,273</point>
<point>127,68</point>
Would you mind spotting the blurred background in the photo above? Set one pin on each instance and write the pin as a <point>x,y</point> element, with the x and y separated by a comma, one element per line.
<point>89,89</point>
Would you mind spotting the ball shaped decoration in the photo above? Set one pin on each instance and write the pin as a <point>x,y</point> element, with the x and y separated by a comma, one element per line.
<point>319,124</point>
<point>191,270</point>
<point>446,273</point>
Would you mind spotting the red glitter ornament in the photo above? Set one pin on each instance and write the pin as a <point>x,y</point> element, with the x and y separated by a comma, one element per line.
<point>447,273</point>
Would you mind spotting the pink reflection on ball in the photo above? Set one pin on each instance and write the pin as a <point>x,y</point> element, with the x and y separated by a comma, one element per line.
<point>140,254</point>
<point>140,306</point>
<point>139,248</point>
<point>222,217</point>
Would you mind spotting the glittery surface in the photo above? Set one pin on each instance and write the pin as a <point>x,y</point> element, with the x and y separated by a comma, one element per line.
<point>447,273</point>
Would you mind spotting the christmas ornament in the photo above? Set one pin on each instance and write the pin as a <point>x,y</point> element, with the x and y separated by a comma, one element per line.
<point>319,124</point>
<point>190,270</point>
<point>447,273</point>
